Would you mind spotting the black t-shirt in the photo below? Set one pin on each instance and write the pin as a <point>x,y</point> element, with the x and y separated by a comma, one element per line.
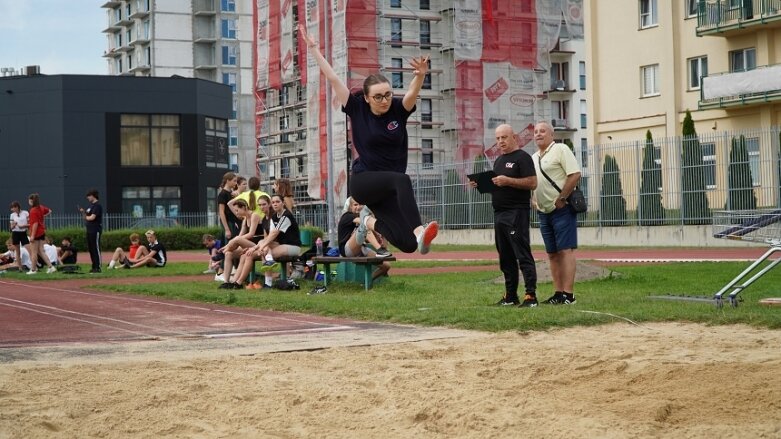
<point>288,228</point>
<point>345,229</point>
<point>381,141</point>
<point>222,198</point>
<point>97,224</point>
<point>516,164</point>
<point>70,259</point>
<point>160,256</point>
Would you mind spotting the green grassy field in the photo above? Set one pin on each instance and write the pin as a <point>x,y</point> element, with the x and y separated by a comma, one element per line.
<point>464,299</point>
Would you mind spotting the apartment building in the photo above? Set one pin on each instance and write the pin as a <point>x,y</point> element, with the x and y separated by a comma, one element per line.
<point>204,39</point>
<point>652,60</point>
<point>491,62</point>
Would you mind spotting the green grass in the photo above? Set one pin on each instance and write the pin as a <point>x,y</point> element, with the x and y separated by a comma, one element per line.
<point>463,300</point>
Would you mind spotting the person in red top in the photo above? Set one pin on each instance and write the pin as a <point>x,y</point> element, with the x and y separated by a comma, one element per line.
<point>38,234</point>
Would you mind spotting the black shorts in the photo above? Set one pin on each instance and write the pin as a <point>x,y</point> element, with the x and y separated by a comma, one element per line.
<point>19,238</point>
<point>40,238</point>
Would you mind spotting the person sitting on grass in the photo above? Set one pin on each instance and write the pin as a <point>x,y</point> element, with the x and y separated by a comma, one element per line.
<point>9,258</point>
<point>51,251</point>
<point>121,258</point>
<point>353,243</point>
<point>216,257</point>
<point>151,255</point>
<point>249,235</point>
<point>67,252</point>
<point>283,240</point>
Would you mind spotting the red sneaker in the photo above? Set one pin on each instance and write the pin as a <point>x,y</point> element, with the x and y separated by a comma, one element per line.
<point>430,231</point>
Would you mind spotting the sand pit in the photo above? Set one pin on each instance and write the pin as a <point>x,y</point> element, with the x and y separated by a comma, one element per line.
<point>656,380</point>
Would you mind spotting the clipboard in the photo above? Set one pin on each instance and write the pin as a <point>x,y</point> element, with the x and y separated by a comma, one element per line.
<point>484,182</point>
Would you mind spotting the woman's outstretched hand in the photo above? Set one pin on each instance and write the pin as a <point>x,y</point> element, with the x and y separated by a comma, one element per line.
<point>420,65</point>
<point>310,42</point>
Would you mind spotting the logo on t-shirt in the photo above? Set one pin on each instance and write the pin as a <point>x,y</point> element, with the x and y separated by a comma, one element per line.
<point>509,165</point>
<point>393,125</point>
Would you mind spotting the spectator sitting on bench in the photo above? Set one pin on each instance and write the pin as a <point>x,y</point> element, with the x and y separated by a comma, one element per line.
<point>121,258</point>
<point>250,234</point>
<point>282,240</point>
<point>352,244</point>
<point>151,255</point>
<point>216,257</point>
<point>67,251</point>
<point>8,258</point>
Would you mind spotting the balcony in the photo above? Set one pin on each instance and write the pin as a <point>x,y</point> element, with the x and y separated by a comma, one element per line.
<point>112,53</point>
<point>758,86</point>
<point>729,17</point>
<point>204,7</point>
<point>138,14</point>
<point>561,125</point>
<point>559,88</point>
<point>111,4</point>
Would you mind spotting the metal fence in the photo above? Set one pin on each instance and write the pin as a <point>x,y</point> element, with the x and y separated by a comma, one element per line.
<point>670,181</point>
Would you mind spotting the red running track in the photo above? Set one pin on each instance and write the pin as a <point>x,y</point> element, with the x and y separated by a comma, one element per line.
<point>37,313</point>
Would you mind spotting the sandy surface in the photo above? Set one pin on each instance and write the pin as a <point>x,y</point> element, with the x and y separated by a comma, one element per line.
<point>658,380</point>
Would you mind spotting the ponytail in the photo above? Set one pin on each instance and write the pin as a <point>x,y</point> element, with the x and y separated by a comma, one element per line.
<point>252,203</point>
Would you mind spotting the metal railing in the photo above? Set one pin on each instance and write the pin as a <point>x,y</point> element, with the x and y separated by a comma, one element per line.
<point>674,181</point>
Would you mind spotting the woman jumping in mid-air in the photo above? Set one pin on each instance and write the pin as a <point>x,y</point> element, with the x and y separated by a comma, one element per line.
<point>379,129</point>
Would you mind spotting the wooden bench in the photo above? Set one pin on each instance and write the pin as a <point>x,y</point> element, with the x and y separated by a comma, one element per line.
<point>367,263</point>
<point>283,261</point>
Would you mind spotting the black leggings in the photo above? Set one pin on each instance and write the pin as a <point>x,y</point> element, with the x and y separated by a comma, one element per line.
<point>389,195</point>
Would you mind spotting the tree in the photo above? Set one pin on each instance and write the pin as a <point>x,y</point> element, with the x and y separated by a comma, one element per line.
<point>741,184</point>
<point>612,202</point>
<point>694,203</point>
<point>650,211</point>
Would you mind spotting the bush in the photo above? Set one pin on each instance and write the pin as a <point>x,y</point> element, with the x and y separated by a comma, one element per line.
<point>612,202</point>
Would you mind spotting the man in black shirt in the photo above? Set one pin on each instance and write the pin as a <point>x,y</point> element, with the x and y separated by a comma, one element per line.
<point>515,178</point>
<point>93,218</point>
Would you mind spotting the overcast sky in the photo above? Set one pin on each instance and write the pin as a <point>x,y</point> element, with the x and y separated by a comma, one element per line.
<point>61,36</point>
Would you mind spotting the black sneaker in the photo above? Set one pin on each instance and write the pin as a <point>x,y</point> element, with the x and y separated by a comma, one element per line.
<point>226,286</point>
<point>94,271</point>
<point>237,286</point>
<point>383,253</point>
<point>529,301</point>
<point>508,301</point>
<point>561,298</point>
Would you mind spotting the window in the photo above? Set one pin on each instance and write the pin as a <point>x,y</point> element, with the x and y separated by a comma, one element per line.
<point>698,68</point>
<point>582,73</point>
<point>691,8</point>
<point>229,55</point>
<point>118,65</point>
<point>583,110</point>
<point>117,14</point>
<point>648,15</point>
<point>709,164</point>
<point>129,35</point>
<point>395,3</point>
<point>233,162</point>
<point>229,79</point>
<point>228,6</point>
<point>560,111</point>
<point>233,136</point>
<point>299,119</point>
<point>118,40</point>
<point>425,5</point>
<point>150,140</point>
<point>650,78</point>
<point>425,112</point>
<point>145,32</point>
<point>234,111</point>
<point>743,60</point>
<point>147,56</point>
<point>284,122</point>
<point>752,145</point>
<point>425,32</point>
<point>284,95</point>
<point>229,28</point>
<point>427,153</point>
<point>559,75</point>
<point>128,10</point>
<point>284,165</point>
<point>395,30</point>
<point>397,78</point>
<point>427,79</point>
<point>160,201</point>
<point>130,61</point>
<point>583,152</point>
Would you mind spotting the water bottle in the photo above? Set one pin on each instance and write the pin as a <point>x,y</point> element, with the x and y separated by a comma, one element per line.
<point>319,245</point>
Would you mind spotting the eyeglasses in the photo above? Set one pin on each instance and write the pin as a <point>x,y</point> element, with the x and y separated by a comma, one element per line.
<point>386,97</point>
